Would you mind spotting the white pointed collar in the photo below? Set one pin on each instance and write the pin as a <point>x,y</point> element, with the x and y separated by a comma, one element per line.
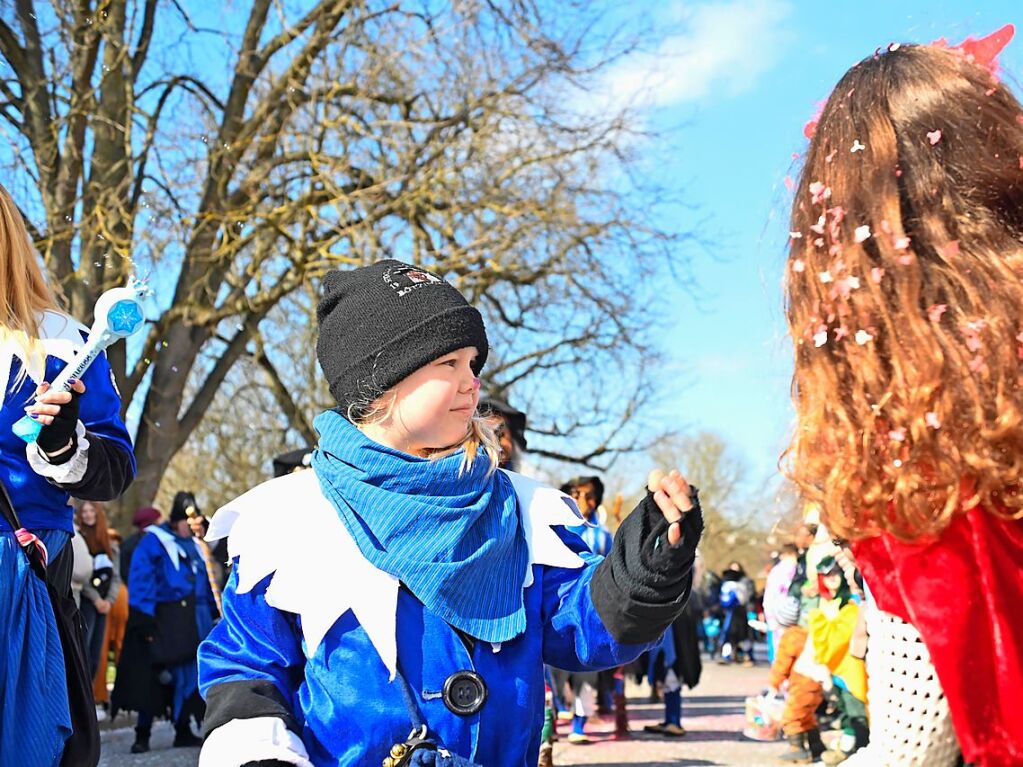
<point>61,337</point>
<point>323,552</point>
<point>170,543</point>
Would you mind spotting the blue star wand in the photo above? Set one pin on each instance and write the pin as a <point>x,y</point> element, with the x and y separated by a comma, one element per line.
<point>118,315</point>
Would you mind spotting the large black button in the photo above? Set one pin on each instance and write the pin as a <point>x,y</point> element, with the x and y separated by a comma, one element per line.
<point>465,692</point>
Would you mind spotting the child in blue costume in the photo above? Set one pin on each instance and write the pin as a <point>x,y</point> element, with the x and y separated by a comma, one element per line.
<point>82,450</point>
<point>407,583</point>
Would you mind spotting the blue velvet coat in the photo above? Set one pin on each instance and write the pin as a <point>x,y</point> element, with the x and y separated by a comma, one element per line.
<point>340,689</point>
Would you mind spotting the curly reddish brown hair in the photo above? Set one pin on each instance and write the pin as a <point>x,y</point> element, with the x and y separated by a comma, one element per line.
<point>904,298</point>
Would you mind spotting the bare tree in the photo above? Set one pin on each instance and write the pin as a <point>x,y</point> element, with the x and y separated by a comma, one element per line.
<point>235,168</point>
<point>738,518</point>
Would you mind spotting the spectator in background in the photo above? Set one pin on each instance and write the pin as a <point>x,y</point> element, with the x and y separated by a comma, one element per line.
<point>509,427</point>
<point>141,519</point>
<point>799,719</point>
<point>779,582</point>
<point>113,638</point>
<point>588,493</point>
<point>831,628</point>
<point>171,609</point>
<point>674,662</point>
<point>736,593</point>
<point>803,540</point>
<point>100,591</point>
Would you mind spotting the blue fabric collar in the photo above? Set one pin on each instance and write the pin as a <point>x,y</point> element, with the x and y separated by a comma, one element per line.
<point>453,538</point>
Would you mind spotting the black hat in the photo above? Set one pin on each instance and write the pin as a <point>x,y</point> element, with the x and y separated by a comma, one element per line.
<point>382,322</point>
<point>183,501</point>
<point>515,419</point>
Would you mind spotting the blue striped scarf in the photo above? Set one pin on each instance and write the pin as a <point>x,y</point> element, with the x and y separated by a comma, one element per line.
<point>455,540</point>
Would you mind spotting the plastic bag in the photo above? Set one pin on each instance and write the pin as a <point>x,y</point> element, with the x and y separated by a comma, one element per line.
<point>763,717</point>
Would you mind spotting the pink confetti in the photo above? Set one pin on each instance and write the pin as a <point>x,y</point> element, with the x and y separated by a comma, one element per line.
<point>819,242</point>
<point>847,285</point>
<point>1021,162</point>
<point>798,266</point>
<point>971,334</point>
<point>819,226</point>
<point>795,155</point>
<point>952,249</point>
<point>831,155</point>
<point>838,213</point>
<point>819,193</point>
<point>901,243</point>
<point>906,260</point>
<point>795,235</point>
<point>885,226</point>
<point>934,137</point>
<point>897,435</point>
<point>863,337</point>
<point>977,365</point>
<point>862,233</point>
<point>877,274</point>
<point>819,339</point>
<point>894,47</point>
<point>990,92</point>
<point>857,146</point>
<point>789,183</point>
<point>932,420</point>
<point>898,173</point>
<point>935,311</point>
<point>841,332</point>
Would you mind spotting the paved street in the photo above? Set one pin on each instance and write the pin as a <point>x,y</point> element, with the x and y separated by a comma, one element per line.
<point>712,714</point>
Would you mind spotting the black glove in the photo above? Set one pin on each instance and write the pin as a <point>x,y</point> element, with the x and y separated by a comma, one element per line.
<point>61,430</point>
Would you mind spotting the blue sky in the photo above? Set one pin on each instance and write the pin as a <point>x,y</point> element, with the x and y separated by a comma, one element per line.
<point>732,90</point>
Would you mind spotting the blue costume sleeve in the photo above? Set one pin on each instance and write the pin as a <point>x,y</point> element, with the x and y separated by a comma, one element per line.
<point>100,410</point>
<point>106,470</point>
<point>143,575</point>
<point>252,645</point>
<point>575,638</point>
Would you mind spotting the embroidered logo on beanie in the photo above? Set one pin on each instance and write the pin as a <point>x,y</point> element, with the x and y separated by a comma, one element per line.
<point>403,279</point>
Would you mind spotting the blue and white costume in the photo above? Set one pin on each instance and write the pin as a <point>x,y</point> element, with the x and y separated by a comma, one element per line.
<point>302,669</point>
<point>167,568</point>
<point>34,717</point>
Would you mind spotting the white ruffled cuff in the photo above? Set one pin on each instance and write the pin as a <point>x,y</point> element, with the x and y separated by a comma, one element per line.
<point>241,741</point>
<point>65,473</point>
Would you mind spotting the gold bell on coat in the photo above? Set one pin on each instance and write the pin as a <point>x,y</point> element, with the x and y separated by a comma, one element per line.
<point>398,750</point>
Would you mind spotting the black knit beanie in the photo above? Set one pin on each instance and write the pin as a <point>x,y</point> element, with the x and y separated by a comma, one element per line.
<point>381,323</point>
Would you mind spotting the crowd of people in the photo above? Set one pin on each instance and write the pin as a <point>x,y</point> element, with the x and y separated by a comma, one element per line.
<point>146,602</point>
<point>423,587</point>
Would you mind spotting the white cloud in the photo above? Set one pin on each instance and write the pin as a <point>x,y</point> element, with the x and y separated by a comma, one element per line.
<point>725,48</point>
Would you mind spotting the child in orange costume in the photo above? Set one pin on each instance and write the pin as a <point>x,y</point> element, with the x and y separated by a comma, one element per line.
<point>799,720</point>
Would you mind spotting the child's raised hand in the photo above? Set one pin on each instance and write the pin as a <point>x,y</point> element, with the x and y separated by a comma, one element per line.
<point>49,402</point>
<point>673,497</point>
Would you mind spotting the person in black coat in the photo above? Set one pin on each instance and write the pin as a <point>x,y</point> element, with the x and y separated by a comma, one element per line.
<point>676,662</point>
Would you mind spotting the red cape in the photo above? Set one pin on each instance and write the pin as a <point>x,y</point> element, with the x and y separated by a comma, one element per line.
<point>964,594</point>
